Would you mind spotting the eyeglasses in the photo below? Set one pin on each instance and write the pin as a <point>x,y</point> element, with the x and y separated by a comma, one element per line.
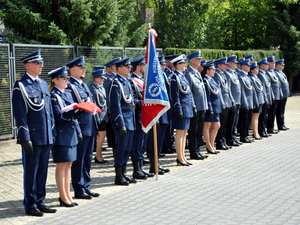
<point>37,63</point>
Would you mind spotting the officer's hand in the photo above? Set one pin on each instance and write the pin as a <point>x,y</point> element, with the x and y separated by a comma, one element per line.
<point>80,138</point>
<point>54,140</point>
<point>122,131</point>
<point>157,123</point>
<point>257,106</point>
<point>233,107</point>
<point>98,123</point>
<point>246,109</point>
<point>28,148</point>
<point>223,109</point>
<point>194,111</point>
<point>179,115</point>
<point>211,114</point>
<point>78,112</point>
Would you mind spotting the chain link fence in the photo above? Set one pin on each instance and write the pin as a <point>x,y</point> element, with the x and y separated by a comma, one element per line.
<point>12,69</point>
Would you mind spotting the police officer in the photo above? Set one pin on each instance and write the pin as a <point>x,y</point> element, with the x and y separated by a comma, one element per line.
<point>268,97</point>
<point>68,133</point>
<point>169,139</point>
<point>235,88</point>
<point>247,101</point>
<point>277,95</point>
<point>81,178</point>
<point>227,101</point>
<point>286,93</point>
<point>198,90</point>
<point>123,119</point>
<point>182,106</point>
<point>99,95</point>
<point>250,57</point>
<point>36,130</point>
<point>200,68</point>
<point>140,137</point>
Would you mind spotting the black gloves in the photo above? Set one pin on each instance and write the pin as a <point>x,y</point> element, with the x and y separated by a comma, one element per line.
<point>246,109</point>
<point>211,114</point>
<point>53,143</point>
<point>179,115</point>
<point>223,108</point>
<point>78,112</point>
<point>28,148</point>
<point>194,112</point>
<point>122,131</point>
<point>80,138</point>
<point>257,106</point>
<point>233,107</point>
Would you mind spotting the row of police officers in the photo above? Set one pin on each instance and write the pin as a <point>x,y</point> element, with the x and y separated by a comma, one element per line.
<point>210,99</point>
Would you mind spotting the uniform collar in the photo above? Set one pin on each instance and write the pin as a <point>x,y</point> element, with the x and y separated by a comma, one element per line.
<point>243,72</point>
<point>263,72</point>
<point>78,82</point>
<point>32,78</point>
<point>230,70</point>
<point>120,78</point>
<point>58,91</point>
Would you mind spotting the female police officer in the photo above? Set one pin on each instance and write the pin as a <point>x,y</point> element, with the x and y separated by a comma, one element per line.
<point>68,133</point>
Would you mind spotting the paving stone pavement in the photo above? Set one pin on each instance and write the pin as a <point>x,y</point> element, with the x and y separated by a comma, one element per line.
<point>256,183</point>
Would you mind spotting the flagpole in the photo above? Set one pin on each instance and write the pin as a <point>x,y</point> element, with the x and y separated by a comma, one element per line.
<point>155,151</point>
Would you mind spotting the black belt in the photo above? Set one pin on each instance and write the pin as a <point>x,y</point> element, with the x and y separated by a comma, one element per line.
<point>128,107</point>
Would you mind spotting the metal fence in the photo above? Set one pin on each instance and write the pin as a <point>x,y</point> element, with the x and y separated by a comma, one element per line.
<point>12,68</point>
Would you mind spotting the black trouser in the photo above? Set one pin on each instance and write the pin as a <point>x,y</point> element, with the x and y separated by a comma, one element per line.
<point>244,122</point>
<point>272,114</point>
<point>110,134</point>
<point>222,131</point>
<point>195,123</point>
<point>232,122</point>
<point>262,120</point>
<point>200,129</point>
<point>280,113</point>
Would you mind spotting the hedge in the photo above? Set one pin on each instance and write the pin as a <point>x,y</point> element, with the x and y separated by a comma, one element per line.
<point>209,54</point>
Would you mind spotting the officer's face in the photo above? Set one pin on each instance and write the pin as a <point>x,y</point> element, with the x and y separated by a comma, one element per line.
<point>78,72</point>
<point>181,67</point>
<point>210,72</point>
<point>246,68</point>
<point>124,71</point>
<point>99,80</point>
<point>200,69</point>
<point>280,66</point>
<point>163,67</point>
<point>195,62</point>
<point>114,68</point>
<point>222,66</point>
<point>61,82</point>
<point>142,68</point>
<point>232,65</point>
<point>271,65</point>
<point>255,71</point>
<point>34,68</point>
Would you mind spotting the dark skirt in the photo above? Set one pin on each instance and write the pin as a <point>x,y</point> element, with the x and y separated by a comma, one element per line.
<point>258,110</point>
<point>102,126</point>
<point>215,118</point>
<point>183,124</point>
<point>62,154</point>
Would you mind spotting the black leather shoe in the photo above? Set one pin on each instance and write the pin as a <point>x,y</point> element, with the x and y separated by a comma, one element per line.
<point>163,169</point>
<point>34,212</point>
<point>222,147</point>
<point>233,144</point>
<point>46,209</point>
<point>246,140</point>
<point>273,131</point>
<point>196,156</point>
<point>256,138</point>
<point>209,152</point>
<point>92,193</point>
<point>161,155</point>
<point>226,146</point>
<point>167,151</point>
<point>100,162</point>
<point>83,196</point>
<point>238,142</point>
<point>264,134</point>
<point>286,128</point>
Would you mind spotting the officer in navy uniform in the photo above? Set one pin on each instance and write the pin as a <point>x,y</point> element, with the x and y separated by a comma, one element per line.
<point>169,139</point>
<point>268,97</point>
<point>248,101</point>
<point>110,74</point>
<point>99,95</point>
<point>286,93</point>
<point>162,128</point>
<point>80,173</point>
<point>250,57</point>
<point>235,88</point>
<point>198,90</point>
<point>277,95</point>
<point>200,68</point>
<point>69,133</point>
<point>36,132</point>
<point>123,119</point>
<point>227,101</point>
<point>140,137</point>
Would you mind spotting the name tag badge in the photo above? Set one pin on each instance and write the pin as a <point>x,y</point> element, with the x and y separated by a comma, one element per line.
<point>83,100</point>
<point>35,100</point>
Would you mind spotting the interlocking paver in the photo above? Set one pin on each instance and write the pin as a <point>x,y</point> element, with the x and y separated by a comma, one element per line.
<point>254,184</point>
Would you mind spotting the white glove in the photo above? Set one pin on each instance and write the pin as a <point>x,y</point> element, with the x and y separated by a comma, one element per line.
<point>67,108</point>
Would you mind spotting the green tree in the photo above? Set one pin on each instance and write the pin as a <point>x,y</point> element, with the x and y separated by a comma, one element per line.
<point>77,22</point>
<point>285,34</point>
